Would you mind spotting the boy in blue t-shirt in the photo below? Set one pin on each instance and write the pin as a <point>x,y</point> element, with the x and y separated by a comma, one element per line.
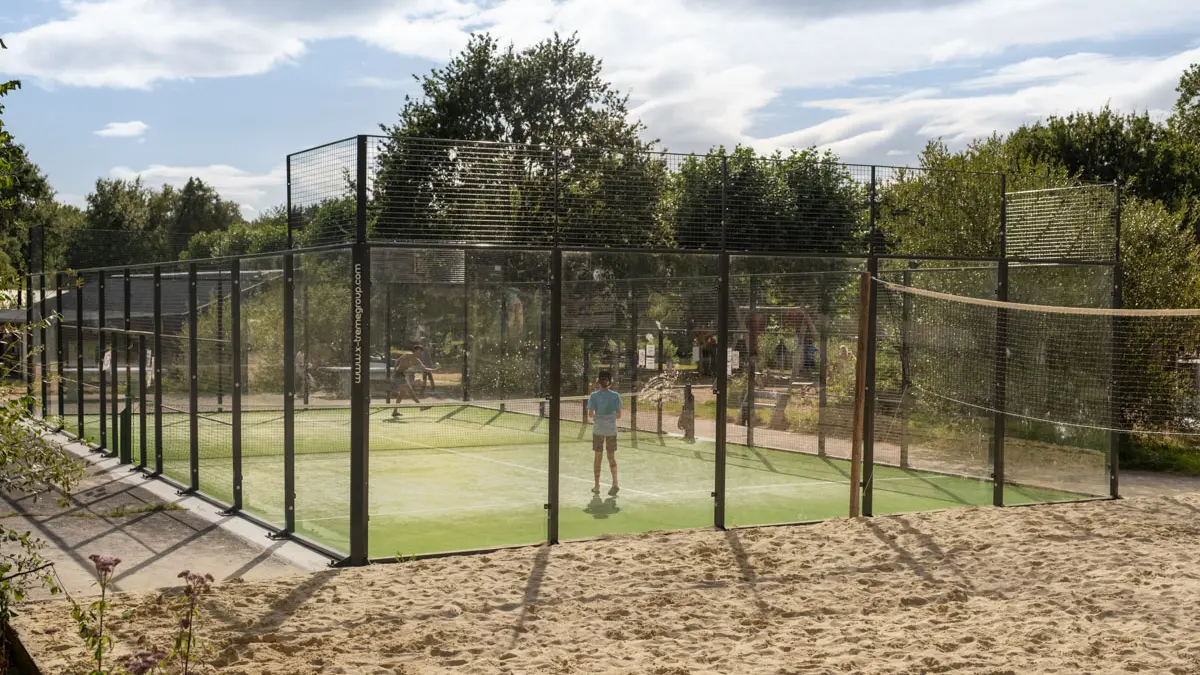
<point>604,408</point>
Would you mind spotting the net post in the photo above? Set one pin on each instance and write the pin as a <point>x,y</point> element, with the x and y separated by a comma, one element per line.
<point>79,389</point>
<point>141,347</point>
<point>43,356</point>
<point>59,349</point>
<point>860,362</point>
<point>289,393</point>
<point>554,370</point>
<point>1000,357</point>
<point>872,332</point>
<point>193,382</point>
<point>158,351</point>
<point>102,376</point>
<point>722,385</point>
<point>1115,438</point>
<point>360,341</point>
<point>235,334</point>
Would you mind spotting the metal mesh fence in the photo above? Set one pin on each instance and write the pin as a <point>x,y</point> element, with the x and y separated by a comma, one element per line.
<point>321,194</point>
<point>1067,223</point>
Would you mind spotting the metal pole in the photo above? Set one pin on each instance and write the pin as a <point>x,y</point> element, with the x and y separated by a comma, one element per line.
<point>289,394</point>
<point>158,353</point>
<point>115,381</point>
<point>868,455</point>
<point>80,392</point>
<point>194,383</point>
<point>290,227</point>
<point>858,435</point>
<point>722,379</point>
<point>128,324</point>
<point>59,349</point>
<point>361,374</point>
<point>235,333</point>
<point>1000,357</point>
<point>721,385</point>
<point>100,350</point>
<point>1115,438</point>
<point>905,366</point>
<point>554,371</point>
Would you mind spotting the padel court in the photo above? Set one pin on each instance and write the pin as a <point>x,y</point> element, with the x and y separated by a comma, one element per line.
<point>456,476</point>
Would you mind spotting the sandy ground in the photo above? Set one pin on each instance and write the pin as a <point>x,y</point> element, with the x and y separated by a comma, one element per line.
<point>1102,587</point>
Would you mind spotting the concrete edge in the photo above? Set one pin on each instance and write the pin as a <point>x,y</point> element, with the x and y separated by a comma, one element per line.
<point>299,556</point>
<point>19,654</point>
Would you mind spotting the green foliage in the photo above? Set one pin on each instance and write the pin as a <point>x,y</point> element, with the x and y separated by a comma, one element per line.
<point>6,177</point>
<point>267,233</point>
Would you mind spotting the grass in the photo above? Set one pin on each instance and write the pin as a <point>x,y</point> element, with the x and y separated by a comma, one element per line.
<point>456,477</point>
<point>1164,455</point>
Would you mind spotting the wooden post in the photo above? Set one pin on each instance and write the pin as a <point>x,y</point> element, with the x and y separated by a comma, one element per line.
<point>860,363</point>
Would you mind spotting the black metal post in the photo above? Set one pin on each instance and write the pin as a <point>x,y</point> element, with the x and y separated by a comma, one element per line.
<point>235,334</point>
<point>360,371</point>
<point>128,325</point>
<point>193,382</point>
<point>722,386</point>
<point>59,348</point>
<point>80,392</point>
<point>868,440</point>
<point>722,355</point>
<point>1000,357</point>
<point>142,458</point>
<point>554,371</point>
<point>101,343</point>
<point>1116,439</point>
<point>114,351</point>
<point>290,227</point>
<point>289,394</point>
<point>158,352</point>
<point>905,356</point>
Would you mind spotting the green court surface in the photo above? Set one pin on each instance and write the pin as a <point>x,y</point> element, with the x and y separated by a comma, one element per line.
<point>458,476</point>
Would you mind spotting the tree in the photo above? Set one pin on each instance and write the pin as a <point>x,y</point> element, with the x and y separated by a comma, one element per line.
<point>537,123</point>
<point>199,208</point>
<point>1186,119</point>
<point>267,233</point>
<point>25,187</point>
<point>118,229</point>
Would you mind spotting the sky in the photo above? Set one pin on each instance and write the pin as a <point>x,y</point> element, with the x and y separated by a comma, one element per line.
<point>225,89</point>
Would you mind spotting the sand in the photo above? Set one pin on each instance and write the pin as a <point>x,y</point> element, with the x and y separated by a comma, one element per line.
<point>1104,587</point>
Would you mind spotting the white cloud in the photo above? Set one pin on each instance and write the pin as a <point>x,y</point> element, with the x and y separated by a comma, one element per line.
<point>123,129</point>
<point>375,82</point>
<point>232,183</point>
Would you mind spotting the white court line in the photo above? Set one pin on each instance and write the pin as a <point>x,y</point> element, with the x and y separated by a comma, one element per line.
<point>513,464</point>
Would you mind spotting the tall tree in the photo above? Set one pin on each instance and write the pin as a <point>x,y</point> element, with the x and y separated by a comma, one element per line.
<point>536,123</point>
<point>117,227</point>
<point>1186,118</point>
<point>199,208</point>
<point>25,187</point>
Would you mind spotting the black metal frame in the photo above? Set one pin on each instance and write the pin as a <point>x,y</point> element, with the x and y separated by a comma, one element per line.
<point>360,298</point>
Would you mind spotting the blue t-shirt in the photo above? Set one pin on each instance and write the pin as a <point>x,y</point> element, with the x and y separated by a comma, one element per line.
<point>606,403</point>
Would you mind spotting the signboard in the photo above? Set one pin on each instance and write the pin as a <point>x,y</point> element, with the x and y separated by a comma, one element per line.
<point>641,358</point>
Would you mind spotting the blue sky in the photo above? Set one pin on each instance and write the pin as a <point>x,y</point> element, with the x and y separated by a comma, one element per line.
<point>224,89</point>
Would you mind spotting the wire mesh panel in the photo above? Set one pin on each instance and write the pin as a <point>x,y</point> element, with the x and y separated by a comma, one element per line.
<point>321,194</point>
<point>932,442</point>
<point>322,328</point>
<point>214,378</point>
<point>88,295</point>
<point>1063,223</point>
<point>938,212</point>
<point>649,481</point>
<point>1056,366</point>
<point>175,413</point>
<point>457,462</point>
<point>261,327</point>
<point>790,409</point>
